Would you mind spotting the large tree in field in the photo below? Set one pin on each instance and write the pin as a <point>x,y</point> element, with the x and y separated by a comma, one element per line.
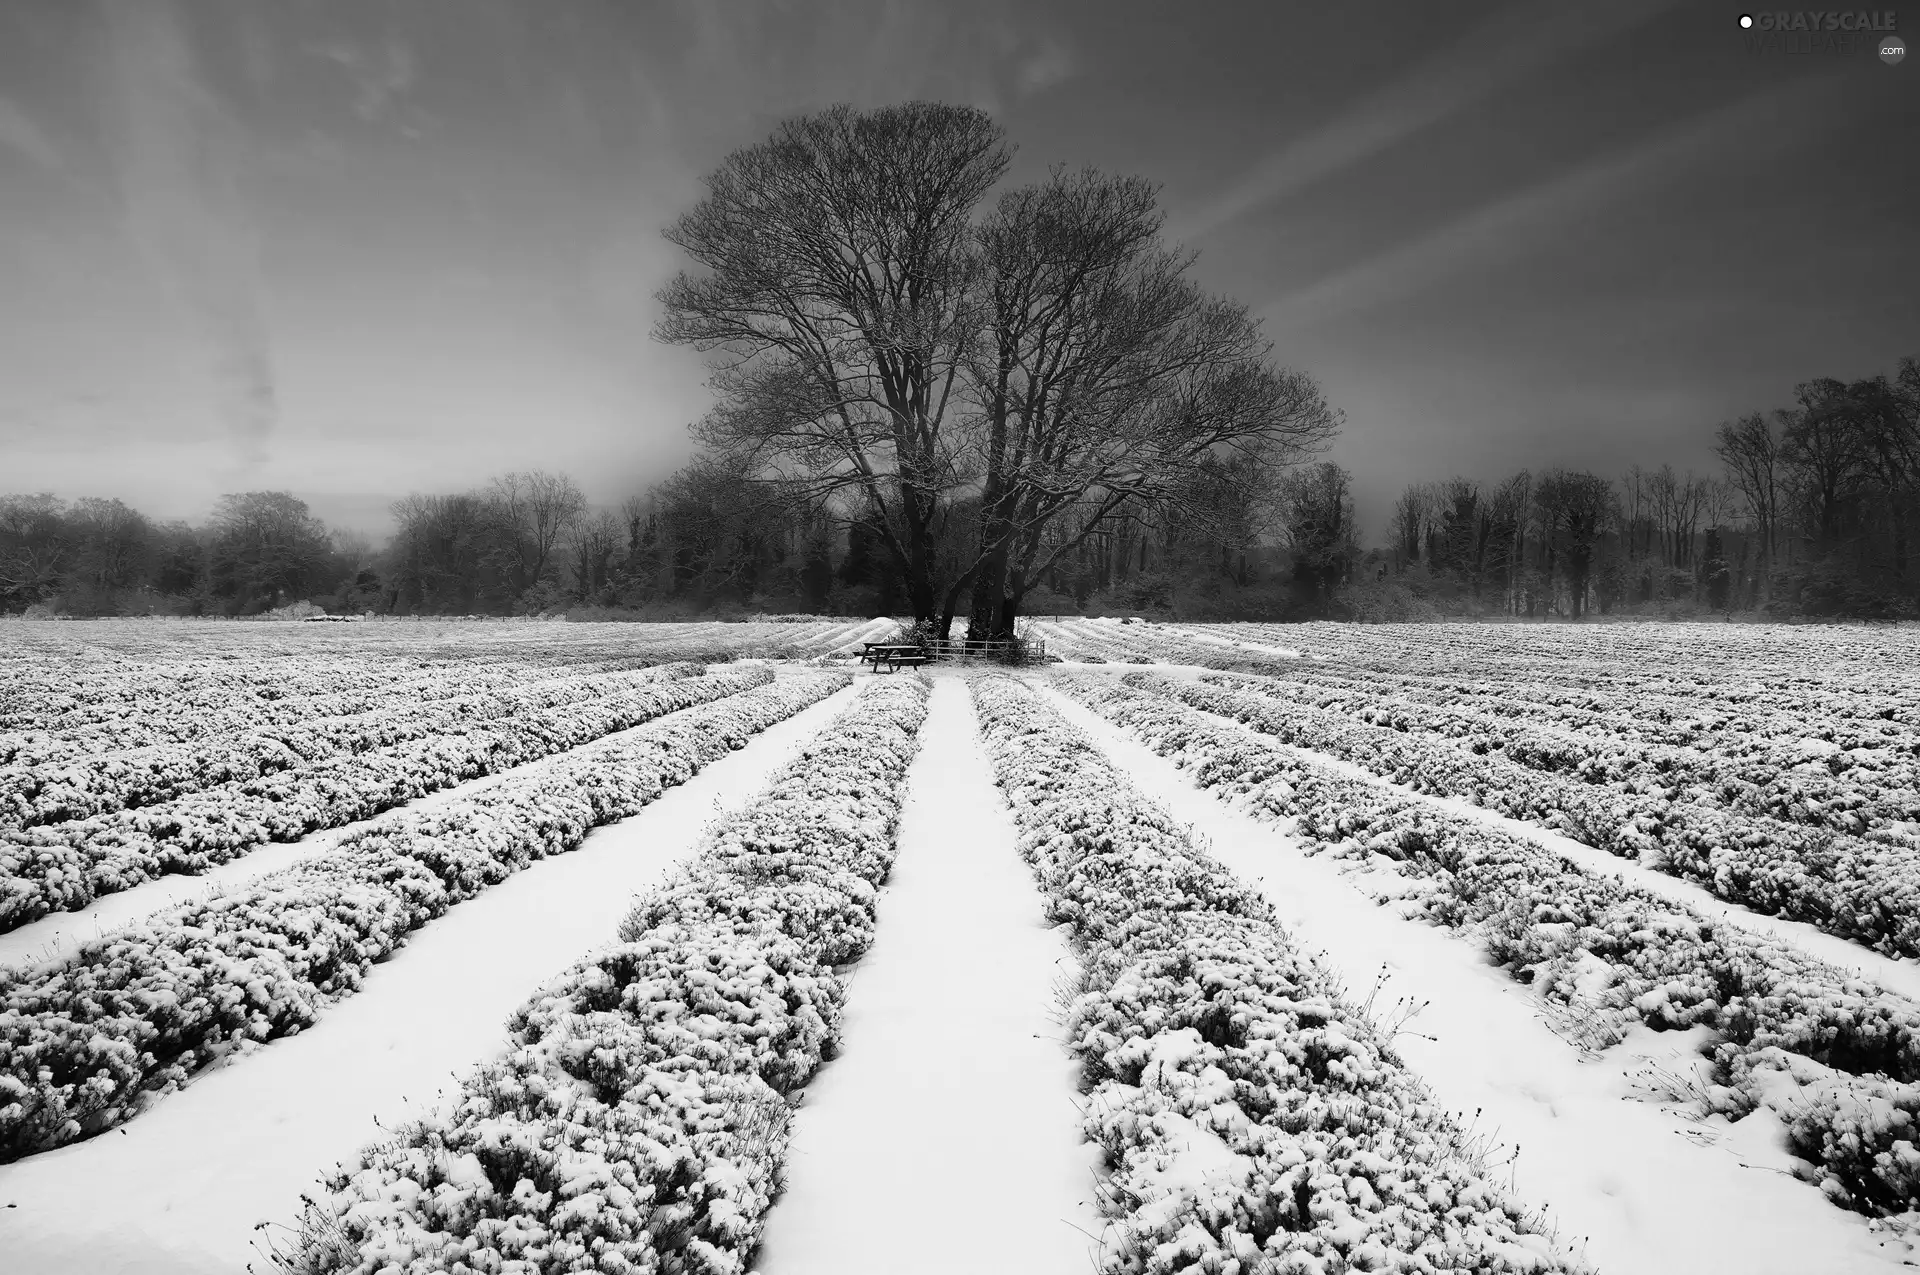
<point>838,290</point>
<point>1104,377</point>
<point>982,396</point>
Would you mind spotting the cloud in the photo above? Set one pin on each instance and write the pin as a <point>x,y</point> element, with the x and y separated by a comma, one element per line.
<point>19,132</point>
<point>1503,49</point>
<point>382,77</point>
<point>1050,65</point>
<point>1499,228</point>
<point>184,210</point>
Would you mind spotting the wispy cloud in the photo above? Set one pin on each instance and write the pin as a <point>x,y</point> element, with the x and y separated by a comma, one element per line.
<point>382,75</point>
<point>1049,65</point>
<point>19,132</point>
<point>174,161</point>
<point>1498,228</point>
<point>1502,50</point>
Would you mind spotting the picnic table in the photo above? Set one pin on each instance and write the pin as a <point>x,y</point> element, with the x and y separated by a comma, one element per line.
<point>893,654</point>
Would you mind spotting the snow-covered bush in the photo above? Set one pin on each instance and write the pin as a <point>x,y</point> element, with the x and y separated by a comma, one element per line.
<point>1608,952</point>
<point>1800,777</point>
<point>68,865</point>
<point>88,1041</point>
<point>637,1121</point>
<point>78,787</point>
<point>1253,1123</point>
<point>1862,888</point>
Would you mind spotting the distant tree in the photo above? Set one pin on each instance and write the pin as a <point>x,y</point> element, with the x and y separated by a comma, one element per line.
<point>1749,452</point>
<point>34,547</point>
<point>267,549</point>
<point>1412,518</point>
<point>593,544</point>
<point>1320,531</point>
<point>111,544</point>
<point>1575,509</point>
<point>529,515</point>
<point>437,561</point>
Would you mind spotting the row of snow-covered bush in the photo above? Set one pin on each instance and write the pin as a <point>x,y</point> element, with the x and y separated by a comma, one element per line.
<point>1611,953</point>
<point>204,718</point>
<point>64,866</point>
<point>1667,716</point>
<point>1866,889</point>
<point>637,1121</point>
<point>52,693</point>
<point>74,789</point>
<point>86,1041</point>
<point>1100,642</point>
<point>1251,1120</point>
<point>1817,672</point>
<point>1803,780</point>
<point>1726,730</point>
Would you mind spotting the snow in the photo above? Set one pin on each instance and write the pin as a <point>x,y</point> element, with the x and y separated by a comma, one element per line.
<point>55,933</point>
<point>953,1103</point>
<point>1894,973</point>
<point>1652,1191</point>
<point>181,1188</point>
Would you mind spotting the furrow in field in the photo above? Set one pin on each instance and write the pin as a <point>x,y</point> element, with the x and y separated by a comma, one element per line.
<point>952,1072</point>
<point>1639,1184</point>
<point>180,1191</point>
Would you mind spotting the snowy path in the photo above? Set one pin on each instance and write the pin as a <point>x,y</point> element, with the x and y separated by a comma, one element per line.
<point>947,1135</point>
<point>178,1190</point>
<point>1653,1192</point>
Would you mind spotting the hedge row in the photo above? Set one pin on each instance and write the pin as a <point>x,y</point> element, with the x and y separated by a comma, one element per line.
<point>90,1040</point>
<point>36,794</point>
<point>638,1119</point>
<point>61,867</point>
<point>1252,1121</point>
<point>1858,888</point>
<point>1799,780</point>
<point>1609,953</point>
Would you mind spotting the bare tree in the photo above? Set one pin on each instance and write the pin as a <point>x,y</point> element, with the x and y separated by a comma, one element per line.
<point>1104,377</point>
<point>1575,508</point>
<point>1412,518</point>
<point>34,546</point>
<point>1749,452</point>
<point>839,295</point>
<point>267,547</point>
<point>111,543</point>
<point>531,513</point>
<point>1320,529</point>
<point>593,543</point>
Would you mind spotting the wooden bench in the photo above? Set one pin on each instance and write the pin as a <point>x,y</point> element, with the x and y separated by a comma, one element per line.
<point>899,659</point>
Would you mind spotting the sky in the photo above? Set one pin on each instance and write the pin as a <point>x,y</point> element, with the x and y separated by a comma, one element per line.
<point>358,248</point>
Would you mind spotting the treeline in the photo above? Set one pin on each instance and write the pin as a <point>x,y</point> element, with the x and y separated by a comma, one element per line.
<point>1816,512</point>
<point>709,540</point>
<point>95,557</point>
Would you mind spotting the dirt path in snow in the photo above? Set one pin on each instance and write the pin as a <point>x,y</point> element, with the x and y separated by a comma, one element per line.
<point>1653,1191</point>
<point>179,1190</point>
<point>946,1137</point>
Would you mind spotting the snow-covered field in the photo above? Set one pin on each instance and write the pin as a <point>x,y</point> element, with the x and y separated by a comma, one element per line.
<point>442,946</point>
